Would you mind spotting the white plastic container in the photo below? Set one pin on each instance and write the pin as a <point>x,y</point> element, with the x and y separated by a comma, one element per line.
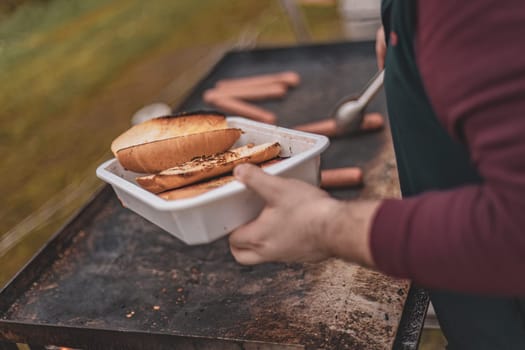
<point>213,214</point>
<point>361,18</point>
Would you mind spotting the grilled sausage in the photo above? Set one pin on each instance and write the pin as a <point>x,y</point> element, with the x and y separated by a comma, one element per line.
<point>341,177</point>
<point>288,78</point>
<point>244,109</point>
<point>328,127</point>
<point>249,93</point>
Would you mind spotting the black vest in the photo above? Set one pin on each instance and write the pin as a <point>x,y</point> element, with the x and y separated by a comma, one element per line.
<point>427,157</point>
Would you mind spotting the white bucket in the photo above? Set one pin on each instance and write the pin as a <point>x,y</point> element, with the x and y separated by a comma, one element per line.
<point>361,18</point>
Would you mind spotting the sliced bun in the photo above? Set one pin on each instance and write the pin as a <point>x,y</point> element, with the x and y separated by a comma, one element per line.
<point>208,167</point>
<point>205,186</point>
<point>156,156</point>
<point>196,189</point>
<point>164,142</point>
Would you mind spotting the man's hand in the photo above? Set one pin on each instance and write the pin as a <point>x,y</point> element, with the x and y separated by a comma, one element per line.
<point>380,48</point>
<point>300,223</point>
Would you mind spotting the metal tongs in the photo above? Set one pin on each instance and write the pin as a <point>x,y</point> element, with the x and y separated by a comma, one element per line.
<point>349,113</point>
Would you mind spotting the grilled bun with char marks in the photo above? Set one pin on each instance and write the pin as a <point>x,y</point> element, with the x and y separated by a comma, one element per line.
<point>207,167</point>
<point>165,142</point>
<point>206,185</point>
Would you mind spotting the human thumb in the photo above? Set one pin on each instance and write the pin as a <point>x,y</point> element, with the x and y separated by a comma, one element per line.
<point>267,186</point>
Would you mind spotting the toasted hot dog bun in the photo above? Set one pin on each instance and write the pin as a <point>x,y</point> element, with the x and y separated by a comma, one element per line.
<point>196,189</point>
<point>156,156</point>
<point>164,142</point>
<point>208,167</point>
<point>208,185</point>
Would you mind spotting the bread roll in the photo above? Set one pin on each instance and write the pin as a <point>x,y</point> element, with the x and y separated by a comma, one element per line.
<point>208,167</point>
<point>164,142</point>
<point>196,189</point>
<point>208,185</point>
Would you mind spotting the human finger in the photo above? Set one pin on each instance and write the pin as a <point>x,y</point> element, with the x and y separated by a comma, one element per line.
<point>246,256</point>
<point>380,48</point>
<point>243,237</point>
<point>267,186</point>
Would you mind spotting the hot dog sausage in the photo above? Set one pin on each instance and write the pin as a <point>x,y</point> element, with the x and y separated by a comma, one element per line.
<point>240,108</point>
<point>373,121</point>
<point>341,177</point>
<point>288,78</point>
<point>328,127</point>
<point>250,93</point>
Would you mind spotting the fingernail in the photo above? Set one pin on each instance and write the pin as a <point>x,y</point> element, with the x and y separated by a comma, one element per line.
<point>239,170</point>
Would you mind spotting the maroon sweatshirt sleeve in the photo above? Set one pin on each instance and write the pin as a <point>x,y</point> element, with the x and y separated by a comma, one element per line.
<point>471,56</point>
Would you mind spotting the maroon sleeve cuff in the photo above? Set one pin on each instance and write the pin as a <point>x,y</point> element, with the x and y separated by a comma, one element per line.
<point>388,238</point>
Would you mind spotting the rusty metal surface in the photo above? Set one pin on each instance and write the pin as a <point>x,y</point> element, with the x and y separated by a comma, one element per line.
<point>111,279</point>
<point>136,277</point>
